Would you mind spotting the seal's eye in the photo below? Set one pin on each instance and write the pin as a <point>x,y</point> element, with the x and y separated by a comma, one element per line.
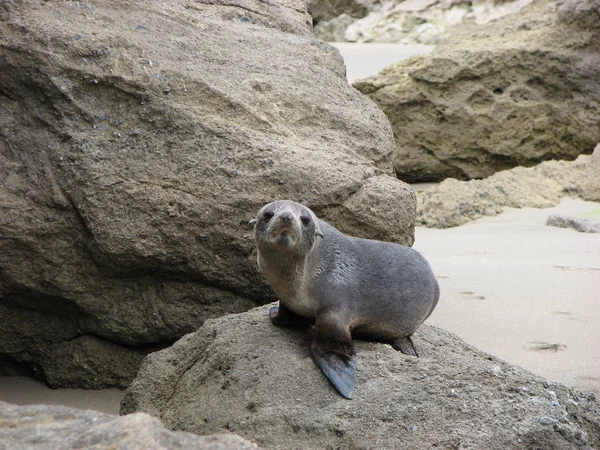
<point>305,220</point>
<point>268,215</point>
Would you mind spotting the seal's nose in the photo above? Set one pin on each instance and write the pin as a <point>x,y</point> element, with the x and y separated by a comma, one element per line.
<point>286,217</point>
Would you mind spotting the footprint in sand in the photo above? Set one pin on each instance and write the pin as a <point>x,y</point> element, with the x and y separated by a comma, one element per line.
<point>472,295</point>
<point>537,346</point>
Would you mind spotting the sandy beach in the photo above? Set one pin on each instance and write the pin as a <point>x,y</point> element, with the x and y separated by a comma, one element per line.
<point>511,286</point>
<point>364,60</point>
<point>523,291</point>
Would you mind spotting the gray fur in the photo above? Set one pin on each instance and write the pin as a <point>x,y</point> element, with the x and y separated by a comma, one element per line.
<point>386,290</point>
<point>350,287</point>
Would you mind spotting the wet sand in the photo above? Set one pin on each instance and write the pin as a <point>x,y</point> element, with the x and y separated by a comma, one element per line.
<point>25,391</point>
<point>523,291</point>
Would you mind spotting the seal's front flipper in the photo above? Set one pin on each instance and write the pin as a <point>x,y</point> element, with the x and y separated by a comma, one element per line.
<point>333,351</point>
<point>340,371</point>
<point>282,316</point>
<point>405,345</point>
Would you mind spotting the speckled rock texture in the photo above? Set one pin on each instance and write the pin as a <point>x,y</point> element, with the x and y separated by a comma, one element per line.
<point>43,427</point>
<point>581,224</point>
<point>455,202</point>
<point>513,92</point>
<point>404,22</point>
<point>242,373</point>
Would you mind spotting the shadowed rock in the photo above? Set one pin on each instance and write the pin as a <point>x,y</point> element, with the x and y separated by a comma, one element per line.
<point>242,373</point>
<point>580,224</point>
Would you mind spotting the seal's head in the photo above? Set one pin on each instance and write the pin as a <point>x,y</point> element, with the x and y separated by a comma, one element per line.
<point>285,226</point>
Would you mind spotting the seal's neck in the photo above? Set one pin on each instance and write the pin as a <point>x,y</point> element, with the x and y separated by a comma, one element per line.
<point>284,271</point>
<point>281,265</point>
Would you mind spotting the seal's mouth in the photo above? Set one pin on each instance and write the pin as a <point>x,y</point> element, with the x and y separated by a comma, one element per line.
<point>283,237</point>
<point>286,238</point>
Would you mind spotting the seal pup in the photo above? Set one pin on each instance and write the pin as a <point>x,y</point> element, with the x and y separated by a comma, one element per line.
<point>347,287</point>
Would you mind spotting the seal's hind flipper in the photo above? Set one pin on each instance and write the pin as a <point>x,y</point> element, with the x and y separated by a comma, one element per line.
<point>405,345</point>
<point>341,372</point>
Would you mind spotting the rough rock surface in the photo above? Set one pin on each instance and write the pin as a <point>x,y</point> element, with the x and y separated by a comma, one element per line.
<point>326,10</point>
<point>514,92</point>
<point>242,373</point>
<point>580,224</point>
<point>454,202</point>
<point>136,141</point>
<point>405,22</point>
<point>42,427</point>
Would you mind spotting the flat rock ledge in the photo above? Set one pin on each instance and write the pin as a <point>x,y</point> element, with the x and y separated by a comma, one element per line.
<point>42,427</point>
<point>580,224</point>
<point>453,202</point>
<point>242,374</point>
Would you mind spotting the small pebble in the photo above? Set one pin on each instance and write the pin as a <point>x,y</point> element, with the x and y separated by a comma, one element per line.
<point>546,421</point>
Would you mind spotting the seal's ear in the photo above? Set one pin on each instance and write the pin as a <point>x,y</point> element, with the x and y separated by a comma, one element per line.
<point>252,222</point>
<point>318,231</point>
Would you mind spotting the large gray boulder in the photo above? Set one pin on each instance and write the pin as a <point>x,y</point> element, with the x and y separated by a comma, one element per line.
<point>242,373</point>
<point>43,427</point>
<point>137,140</point>
<point>514,92</point>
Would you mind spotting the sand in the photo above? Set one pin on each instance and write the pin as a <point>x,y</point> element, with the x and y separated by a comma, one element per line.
<point>523,291</point>
<point>25,391</point>
<point>364,60</point>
